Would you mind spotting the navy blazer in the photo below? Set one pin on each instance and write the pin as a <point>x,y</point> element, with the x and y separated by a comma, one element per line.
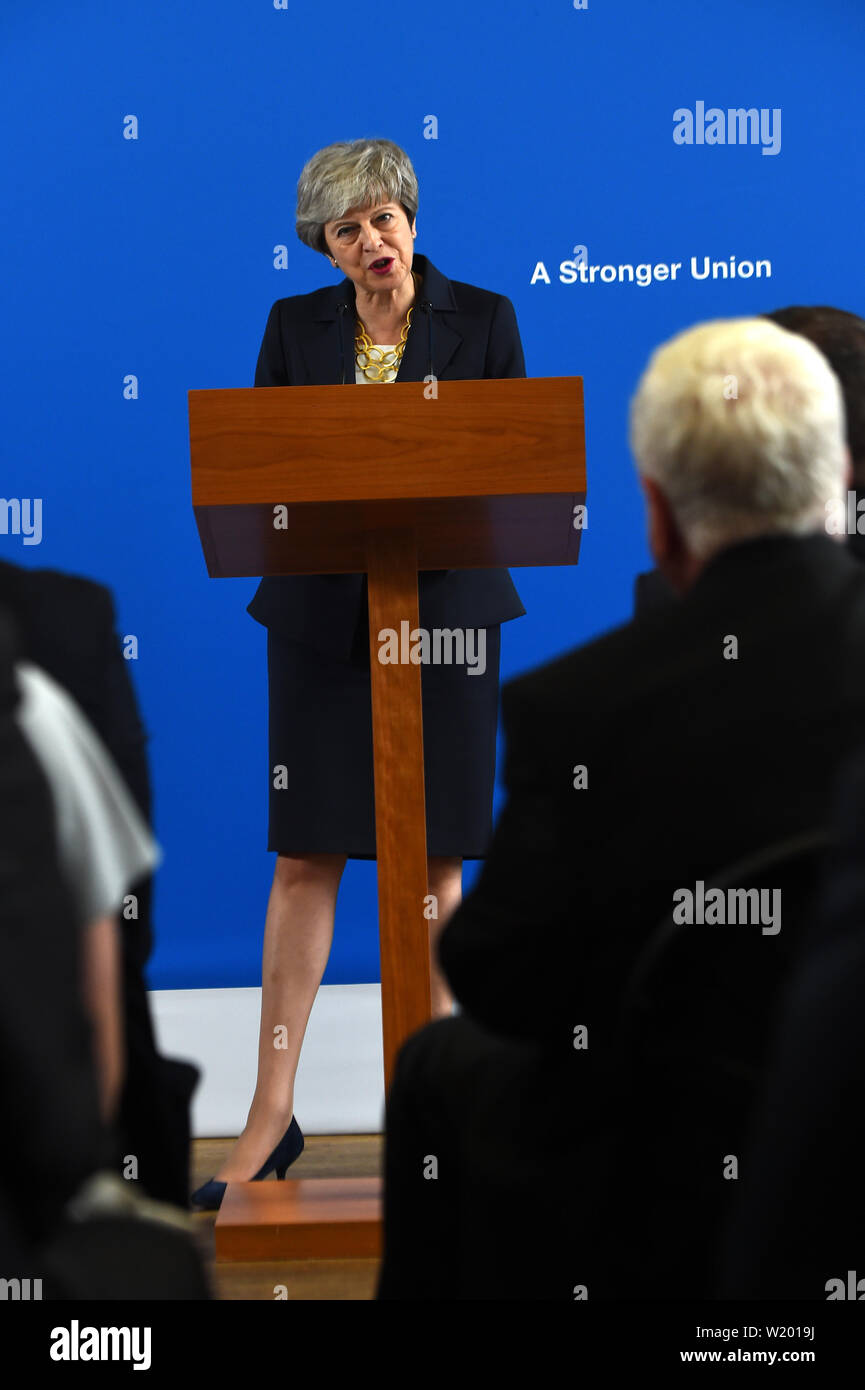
<point>458,333</point>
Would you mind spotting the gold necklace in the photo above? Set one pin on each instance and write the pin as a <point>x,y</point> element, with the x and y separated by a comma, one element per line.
<point>370,359</point>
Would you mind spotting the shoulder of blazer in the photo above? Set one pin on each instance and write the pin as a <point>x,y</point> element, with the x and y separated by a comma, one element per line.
<point>471,299</point>
<point>81,599</point>
<point>317,304</point>
<point>456,296</point>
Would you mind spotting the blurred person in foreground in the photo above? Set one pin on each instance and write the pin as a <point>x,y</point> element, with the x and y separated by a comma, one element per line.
<point>797,1229</point>
<point>66,630</point>
<point>54,1139</point>
<point>646,761</point>
<point>840,336</point>
<point>71,842</point>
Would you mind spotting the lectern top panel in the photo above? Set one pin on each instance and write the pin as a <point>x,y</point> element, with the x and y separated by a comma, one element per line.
<point>295,444</point>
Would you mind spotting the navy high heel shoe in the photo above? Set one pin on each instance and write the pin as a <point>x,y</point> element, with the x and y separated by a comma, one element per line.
<point>209,1196</point>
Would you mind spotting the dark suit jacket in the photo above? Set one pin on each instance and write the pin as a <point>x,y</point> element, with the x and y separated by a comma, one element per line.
<point>799,1218</point>
<point>66,624</point>
<point>53,1136</point>
<point>458,332</point>
<point>653,590</point>
<point>693,762</point>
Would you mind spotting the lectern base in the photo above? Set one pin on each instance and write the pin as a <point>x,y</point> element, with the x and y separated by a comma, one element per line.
<point>300,1219</point>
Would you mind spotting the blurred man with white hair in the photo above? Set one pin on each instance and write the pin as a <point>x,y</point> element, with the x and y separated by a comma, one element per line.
<point>738,433</point>
<point>840,336</point>
<point>576,1159</point>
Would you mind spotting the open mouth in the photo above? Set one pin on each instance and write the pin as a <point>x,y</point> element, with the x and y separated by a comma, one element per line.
<point>382,265</point>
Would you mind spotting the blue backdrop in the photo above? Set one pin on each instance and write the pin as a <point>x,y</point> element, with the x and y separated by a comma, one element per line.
<point>556,127</point>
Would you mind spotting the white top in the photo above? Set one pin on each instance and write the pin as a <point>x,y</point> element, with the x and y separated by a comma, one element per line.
<point>104,843</point>
<point>388,376</point>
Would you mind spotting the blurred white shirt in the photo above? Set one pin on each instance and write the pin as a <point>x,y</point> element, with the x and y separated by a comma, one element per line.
<point>104,842</point>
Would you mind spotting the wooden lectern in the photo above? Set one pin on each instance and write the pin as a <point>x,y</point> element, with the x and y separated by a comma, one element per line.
<point>391,481</point>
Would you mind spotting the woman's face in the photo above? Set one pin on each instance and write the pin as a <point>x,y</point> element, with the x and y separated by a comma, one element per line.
<point>368,237</point>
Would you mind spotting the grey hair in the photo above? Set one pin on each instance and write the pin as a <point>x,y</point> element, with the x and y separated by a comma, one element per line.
<point>351,174</point>
<point>741,425</point>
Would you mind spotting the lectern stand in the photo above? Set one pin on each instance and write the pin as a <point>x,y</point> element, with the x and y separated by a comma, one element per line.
<point>409,477</point>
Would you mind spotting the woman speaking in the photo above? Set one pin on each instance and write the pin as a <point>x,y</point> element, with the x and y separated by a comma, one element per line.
<point>392,317</point>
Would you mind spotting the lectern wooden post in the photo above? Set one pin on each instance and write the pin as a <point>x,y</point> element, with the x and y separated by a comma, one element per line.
<point>391,481</point>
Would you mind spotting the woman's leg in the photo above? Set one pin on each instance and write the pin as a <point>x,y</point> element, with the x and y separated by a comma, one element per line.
<point>446,882</point>
<point>297,938</point>
<point>298,932</point>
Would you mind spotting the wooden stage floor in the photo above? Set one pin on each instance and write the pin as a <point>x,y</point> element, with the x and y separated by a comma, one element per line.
<point>325,1156</point>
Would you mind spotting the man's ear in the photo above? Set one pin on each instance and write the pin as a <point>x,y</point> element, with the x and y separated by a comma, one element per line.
<point>659,521</point>
<point>666,542</point>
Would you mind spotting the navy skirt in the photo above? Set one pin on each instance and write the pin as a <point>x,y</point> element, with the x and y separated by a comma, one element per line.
<point>320,730</point>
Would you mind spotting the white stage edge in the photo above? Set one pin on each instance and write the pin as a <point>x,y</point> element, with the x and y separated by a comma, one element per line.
<point>340,1081</point>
